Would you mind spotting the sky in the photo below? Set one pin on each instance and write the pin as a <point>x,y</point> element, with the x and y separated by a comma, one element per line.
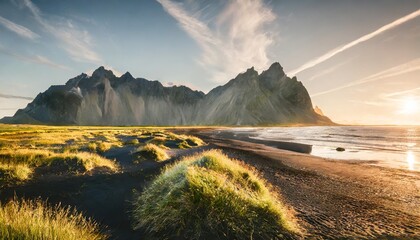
<point>358,59</point>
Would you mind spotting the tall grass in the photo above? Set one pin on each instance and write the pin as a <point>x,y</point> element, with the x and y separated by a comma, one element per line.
<point>35,220</point>
<point>209,196</point>
<point>14,172</point>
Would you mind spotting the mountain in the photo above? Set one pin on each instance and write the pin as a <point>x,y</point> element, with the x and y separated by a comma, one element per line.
<point>104,99</point>
<point>319,111</point>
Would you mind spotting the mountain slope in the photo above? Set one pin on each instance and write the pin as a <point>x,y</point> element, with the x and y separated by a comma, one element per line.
<point>104,99</point>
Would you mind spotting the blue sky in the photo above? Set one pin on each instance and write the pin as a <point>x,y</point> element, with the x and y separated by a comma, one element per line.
<point>360,60</point>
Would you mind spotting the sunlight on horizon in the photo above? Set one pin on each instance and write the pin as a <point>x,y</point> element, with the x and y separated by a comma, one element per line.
<point>409,106</point>
<point>411,159</point>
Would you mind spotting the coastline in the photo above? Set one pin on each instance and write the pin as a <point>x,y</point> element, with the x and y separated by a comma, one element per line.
<point>333,198</point>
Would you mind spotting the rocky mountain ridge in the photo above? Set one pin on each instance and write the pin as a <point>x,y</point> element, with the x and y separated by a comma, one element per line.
<point>268,98</point>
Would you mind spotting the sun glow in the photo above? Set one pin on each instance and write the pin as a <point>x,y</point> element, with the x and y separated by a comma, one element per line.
<point>409,106</point>
<point>410,160</point>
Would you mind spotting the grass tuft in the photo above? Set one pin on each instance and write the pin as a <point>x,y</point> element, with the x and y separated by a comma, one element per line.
<point>133,141</point>
<point>14,172</point>
<point>35,220</point>
<point>151,152</point>
<point>194,141</point>
<point>99,147</point>
<point>19,164</point>
<point>211,196</point>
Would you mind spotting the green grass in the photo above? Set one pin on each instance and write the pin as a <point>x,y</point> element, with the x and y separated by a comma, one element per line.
<point>19,164</point>
<point>213,197</point>
<point>37,158</point>
<point>25,150</point>
<point>151,152</point>
<point>35,220</point>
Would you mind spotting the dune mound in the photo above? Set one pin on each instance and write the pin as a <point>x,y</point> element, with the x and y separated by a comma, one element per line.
<point>213,197</point>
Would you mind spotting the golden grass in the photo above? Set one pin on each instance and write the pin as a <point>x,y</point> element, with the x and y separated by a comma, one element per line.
<point>14,172</point>
<point>37,158</point>
<point>24,148</point>
<point>134,141</point>
<point>35,220</point>
<point>151,152</point>
<point>209,195</point>
<point>94,139</point>
<point>158,140</point>
<point>19,164</point>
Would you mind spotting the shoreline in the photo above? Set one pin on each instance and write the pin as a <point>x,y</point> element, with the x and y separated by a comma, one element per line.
<point>334,198</point>
<point>353,145</point>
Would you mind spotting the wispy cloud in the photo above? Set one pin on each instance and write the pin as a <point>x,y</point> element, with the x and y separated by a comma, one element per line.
<point>76,42</point>
<point>2,95</point>
<point>402,92</point>
<point>231,41</point>
<point>33,59</point>
<point>332,53</point>
<point>327,71</point>
<point>18,29</point>
<point>371,103</point>
<point>411,66</point>
<point>395,100</point>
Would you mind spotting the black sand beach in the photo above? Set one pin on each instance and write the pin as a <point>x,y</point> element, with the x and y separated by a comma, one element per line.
<point>335,199</point>
<point>332,199</point>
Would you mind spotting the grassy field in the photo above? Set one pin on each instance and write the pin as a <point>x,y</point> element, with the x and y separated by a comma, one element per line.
<point>28,151</point>
<point>101,170</point>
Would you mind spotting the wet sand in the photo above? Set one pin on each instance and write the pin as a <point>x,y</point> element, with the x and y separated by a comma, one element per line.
<point>334,199</point>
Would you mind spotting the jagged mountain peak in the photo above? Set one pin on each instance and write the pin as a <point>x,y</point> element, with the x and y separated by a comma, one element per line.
<point>104,99</point>
<point>274,71</point>
<point>127,75</point>
<point>102,72</point>
<point>251,70</point>
<point>74,82</point>
<point>277,68</point>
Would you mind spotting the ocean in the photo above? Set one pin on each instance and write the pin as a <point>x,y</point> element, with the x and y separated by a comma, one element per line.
<point>391,146</point>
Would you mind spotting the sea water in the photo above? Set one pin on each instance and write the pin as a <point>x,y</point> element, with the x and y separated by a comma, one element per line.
<point>394,146</point>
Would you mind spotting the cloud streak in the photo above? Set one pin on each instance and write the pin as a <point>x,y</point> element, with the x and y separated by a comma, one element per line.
<point>76,42</point>
<point>404,68</point>
<point>332,53</point>
<point>18,29</point>
<point>401,92</point>
<point>33,59</point>
<point>2,95</point>
<point>231,41</point>
<point>327,71</point>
